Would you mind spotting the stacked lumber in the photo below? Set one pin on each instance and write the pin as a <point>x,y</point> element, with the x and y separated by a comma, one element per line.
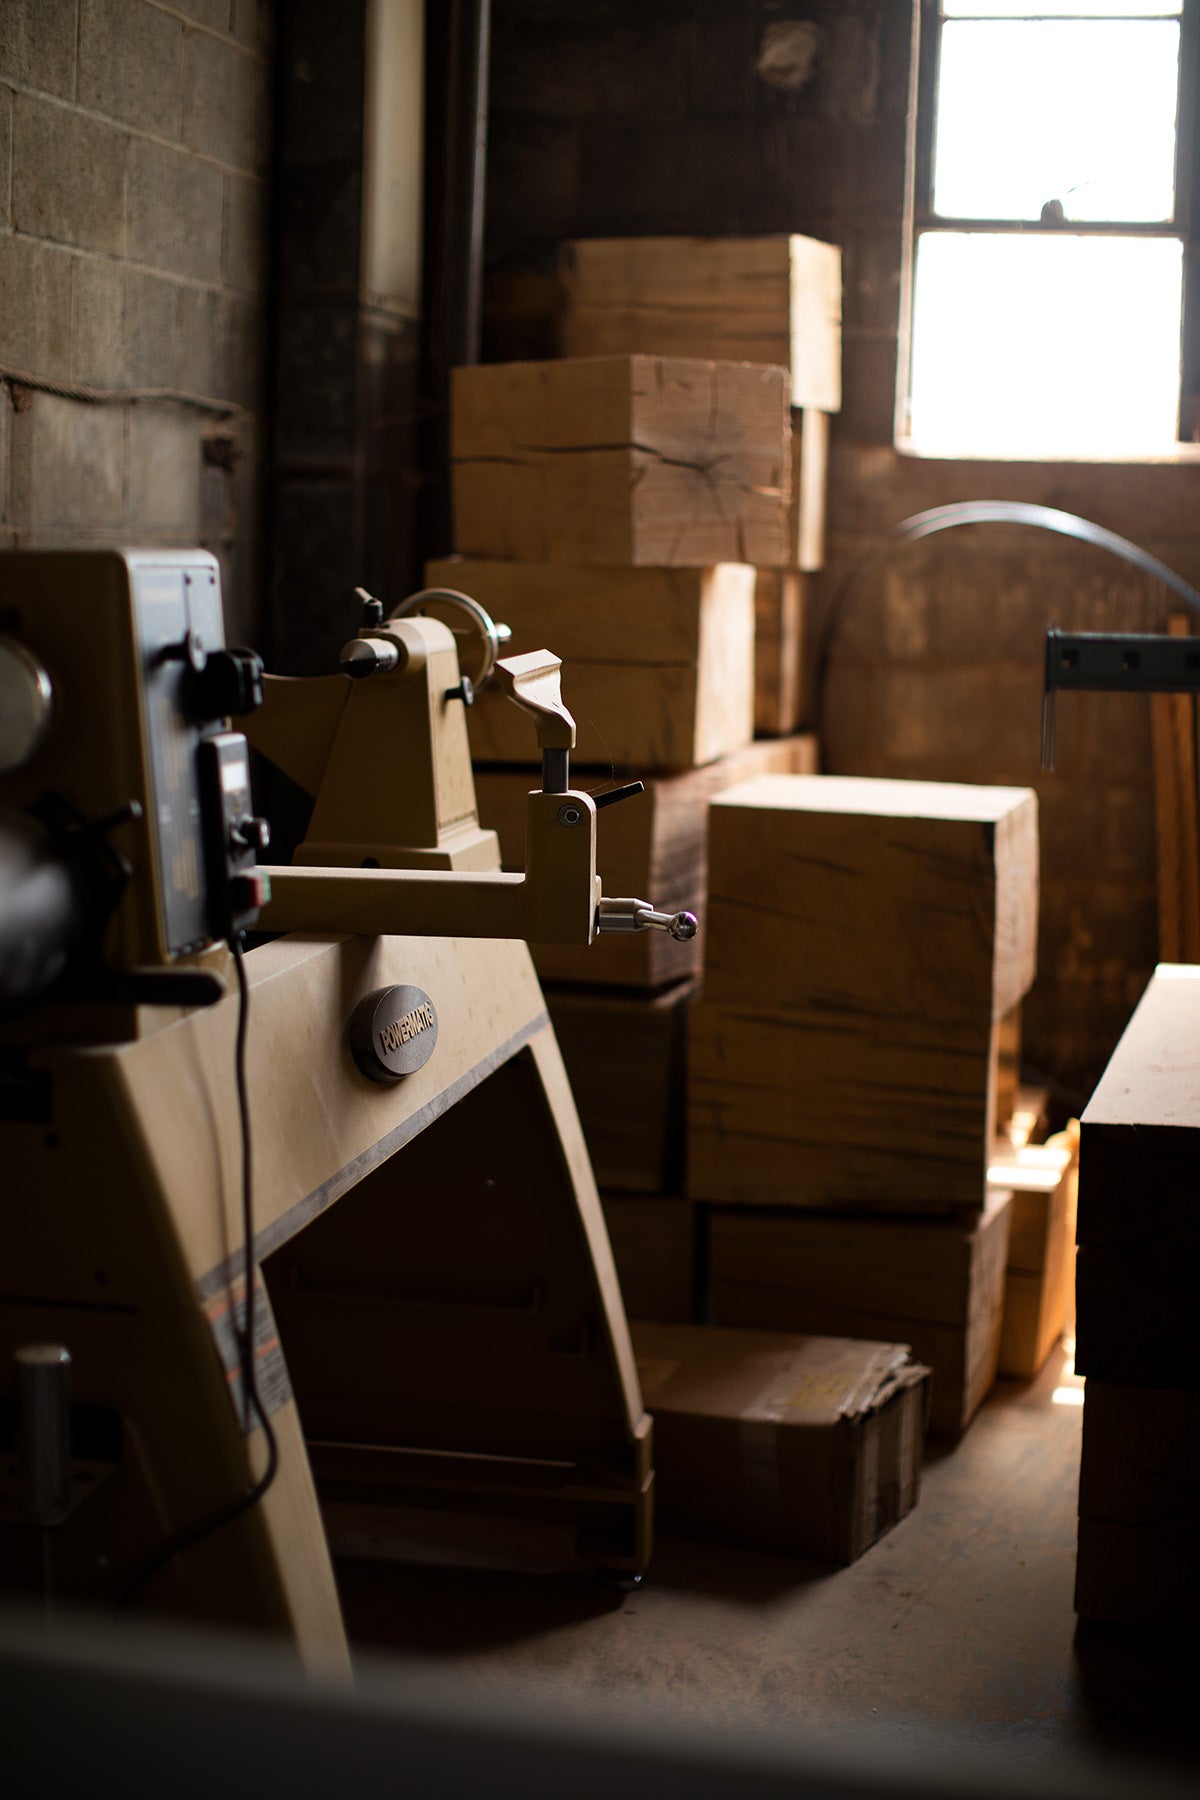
<point>610,508</point>
<point>869,944</point>
<point>619,1007</point>
<point>774,300</point>
<point>1138,1232</point>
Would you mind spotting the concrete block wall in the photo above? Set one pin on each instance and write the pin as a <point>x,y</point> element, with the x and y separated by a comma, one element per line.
<point>134,146</point>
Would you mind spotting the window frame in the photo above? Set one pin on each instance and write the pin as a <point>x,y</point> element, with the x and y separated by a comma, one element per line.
<point>1183,226</point>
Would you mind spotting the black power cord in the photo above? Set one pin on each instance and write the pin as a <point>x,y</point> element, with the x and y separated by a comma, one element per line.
<point>192,1535</point>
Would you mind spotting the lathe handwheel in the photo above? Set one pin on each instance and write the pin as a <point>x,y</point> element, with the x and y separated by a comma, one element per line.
<point>478,644</point>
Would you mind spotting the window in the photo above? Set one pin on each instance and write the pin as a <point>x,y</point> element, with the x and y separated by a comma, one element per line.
<point>1053,186</point>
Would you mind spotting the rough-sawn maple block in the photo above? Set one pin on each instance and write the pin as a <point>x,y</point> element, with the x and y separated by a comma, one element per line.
<point>864,941</point>
<point>622,459</point>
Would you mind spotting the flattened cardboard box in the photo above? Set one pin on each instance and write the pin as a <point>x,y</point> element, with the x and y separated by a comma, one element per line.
<point>808,1445</point>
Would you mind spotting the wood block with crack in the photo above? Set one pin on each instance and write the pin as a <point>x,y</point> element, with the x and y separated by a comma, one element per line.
<point>628,460</point>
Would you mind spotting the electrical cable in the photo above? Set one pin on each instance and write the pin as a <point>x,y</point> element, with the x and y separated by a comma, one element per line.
<point>92,396</point>
<point>192,1535</point>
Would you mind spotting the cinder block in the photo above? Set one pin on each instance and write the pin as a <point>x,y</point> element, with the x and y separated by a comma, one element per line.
<point>124,326</point>
<point>226,105</point>
<point>131,64</point>
<point>148,326</point>
<point>241,584</point>
<point>68,471</point>
<point>6,414</point>
<point>6,100</point>
<point>175,211</point>
<point>164,473</point>
<point>244,260</point>
<point>213,13</point>
<point>68,176</point>
<point>251,24</point>
<point>37,44</point>
<point>35,306</point>
<point>198,350</point>
<point>97,341</point>
<point>240,336</point>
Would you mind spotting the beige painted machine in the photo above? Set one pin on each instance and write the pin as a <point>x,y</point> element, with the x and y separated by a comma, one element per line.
<point>302,1240</point>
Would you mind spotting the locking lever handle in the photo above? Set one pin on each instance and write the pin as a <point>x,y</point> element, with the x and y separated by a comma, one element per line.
<point>533,682</point>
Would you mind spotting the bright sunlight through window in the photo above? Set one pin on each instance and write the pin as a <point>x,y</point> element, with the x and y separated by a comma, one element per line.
<point>1048,287</point>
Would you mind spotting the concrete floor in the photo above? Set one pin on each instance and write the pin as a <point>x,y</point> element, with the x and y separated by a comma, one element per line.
<point>953,1637</point>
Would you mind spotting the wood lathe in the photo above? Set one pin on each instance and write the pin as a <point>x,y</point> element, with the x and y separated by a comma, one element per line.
<point>302,1237</point>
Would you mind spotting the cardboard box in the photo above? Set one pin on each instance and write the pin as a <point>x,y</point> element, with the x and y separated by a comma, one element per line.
<point>624,1054</point>
<point>1039,1286</point>
<point>622,459</point>
<point>658,664</point>
<point>807,1445</point>
<point>654,847</point>
<point>745,299</point>
<point>1139,1495</point>
<point>1139,1222</point>
<point>937,1284</point>
<point>865,942</point>
<point>654,1247</point>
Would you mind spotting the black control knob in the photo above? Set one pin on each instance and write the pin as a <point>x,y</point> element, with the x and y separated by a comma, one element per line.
<point>252,834</point>
<point>228,682</point>
<point>372,609</point>
<point>231,683</point>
